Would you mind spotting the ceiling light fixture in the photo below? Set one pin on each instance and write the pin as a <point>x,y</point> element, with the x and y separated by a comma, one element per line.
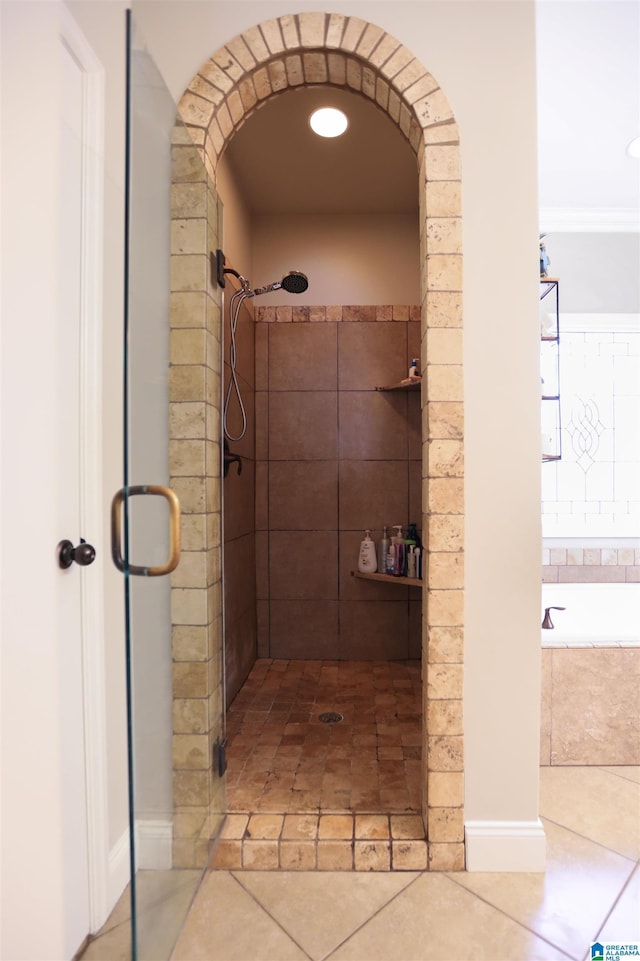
<point>633,148</point>
<point>328,122</point>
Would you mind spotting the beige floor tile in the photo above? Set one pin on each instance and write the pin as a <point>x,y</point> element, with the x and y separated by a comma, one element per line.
<point>163,899</point>
<point>629,771</point>
<point>595,803</point>
<point>569,902</point>
<point>623,924</point>
<point>226,924</point>
<point>434,919</point>
<point>114,945</point>
<point>321,909</point>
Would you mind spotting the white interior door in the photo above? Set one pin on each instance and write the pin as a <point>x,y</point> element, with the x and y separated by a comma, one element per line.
<point>70,591</point>
<point>45,840</point>
<point>80,505</point>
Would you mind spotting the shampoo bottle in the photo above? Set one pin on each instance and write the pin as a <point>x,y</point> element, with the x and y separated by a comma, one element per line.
<point>391,559</point>
<point>399,552</point>
<point>413,535</point>
<point>367,562</point>
<point>383,549</point>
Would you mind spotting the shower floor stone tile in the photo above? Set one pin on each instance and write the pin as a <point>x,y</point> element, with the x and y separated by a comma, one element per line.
<point>284,762</point>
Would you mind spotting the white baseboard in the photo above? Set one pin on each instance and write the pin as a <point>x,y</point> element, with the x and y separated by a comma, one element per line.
<point>505,846</point>
<point>154,844</point>
<point>153,852</point>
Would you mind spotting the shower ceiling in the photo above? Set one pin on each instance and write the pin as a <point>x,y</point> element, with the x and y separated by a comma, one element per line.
<point>281,166</point>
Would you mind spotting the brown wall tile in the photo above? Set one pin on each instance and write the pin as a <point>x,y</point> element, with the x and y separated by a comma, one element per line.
<point>240,576</point>
<point>371,355</point>
<point>239,500</point>
<point>373,493</point>
<point>302,357</point>
<point>373,425</point>
<point>303,425</point>
<point>304,629</point>
<point>303,565</point>
<point>374,630</point>
<point>303,495</point>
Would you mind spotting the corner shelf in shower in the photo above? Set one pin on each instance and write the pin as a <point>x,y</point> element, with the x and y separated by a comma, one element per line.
<point>406,385</point>
<point>389,579</point>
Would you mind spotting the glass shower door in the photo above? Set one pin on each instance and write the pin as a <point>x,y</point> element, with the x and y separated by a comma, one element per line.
<point>175,795</point>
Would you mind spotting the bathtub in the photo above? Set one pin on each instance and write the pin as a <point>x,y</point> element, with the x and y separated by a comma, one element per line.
<point>591,675</point>
<point>596,615</point>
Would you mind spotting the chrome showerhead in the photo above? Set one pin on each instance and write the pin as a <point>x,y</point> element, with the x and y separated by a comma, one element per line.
<point>294,282</point>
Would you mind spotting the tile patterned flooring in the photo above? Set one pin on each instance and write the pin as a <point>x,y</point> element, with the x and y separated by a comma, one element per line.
<point>589,891</point>
<point>591,815</point>
<point>305,794</point>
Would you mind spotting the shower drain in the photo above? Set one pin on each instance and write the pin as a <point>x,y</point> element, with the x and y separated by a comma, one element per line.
<point>330,717</point>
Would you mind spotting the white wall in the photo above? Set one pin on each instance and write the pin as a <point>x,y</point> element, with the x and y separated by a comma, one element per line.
<point>483,55</point>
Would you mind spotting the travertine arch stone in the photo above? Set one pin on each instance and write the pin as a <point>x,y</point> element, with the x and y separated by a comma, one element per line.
<point>311,49</point>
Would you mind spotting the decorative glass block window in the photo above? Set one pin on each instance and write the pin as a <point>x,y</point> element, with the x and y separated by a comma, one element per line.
<point>594,491</point>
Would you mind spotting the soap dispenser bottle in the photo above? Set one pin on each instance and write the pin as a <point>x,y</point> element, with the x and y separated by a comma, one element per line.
<point>367,561</point>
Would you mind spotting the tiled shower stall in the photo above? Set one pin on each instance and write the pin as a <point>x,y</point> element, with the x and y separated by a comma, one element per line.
<point>315,49</point>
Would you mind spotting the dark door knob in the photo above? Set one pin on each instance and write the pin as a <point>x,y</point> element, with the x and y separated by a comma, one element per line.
<point>84,554</point>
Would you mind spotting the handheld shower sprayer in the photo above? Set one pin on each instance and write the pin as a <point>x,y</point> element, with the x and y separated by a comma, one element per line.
<point>295,282</point>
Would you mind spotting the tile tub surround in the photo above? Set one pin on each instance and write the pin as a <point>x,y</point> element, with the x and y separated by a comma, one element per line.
<point>590,706</point>
<point>317,48</point>
<point>334,457</point>
<point>590,565</point>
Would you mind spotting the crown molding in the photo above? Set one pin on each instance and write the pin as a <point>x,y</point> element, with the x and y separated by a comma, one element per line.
<point>597,220</point>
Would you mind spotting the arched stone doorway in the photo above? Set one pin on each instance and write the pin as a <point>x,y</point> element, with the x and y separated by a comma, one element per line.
<point>312,49</point>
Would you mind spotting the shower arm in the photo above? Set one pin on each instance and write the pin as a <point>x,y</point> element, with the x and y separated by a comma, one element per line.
<point>218,269</point>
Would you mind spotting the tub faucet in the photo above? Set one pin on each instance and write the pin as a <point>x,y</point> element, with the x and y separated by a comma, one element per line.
<point>547,623</point>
